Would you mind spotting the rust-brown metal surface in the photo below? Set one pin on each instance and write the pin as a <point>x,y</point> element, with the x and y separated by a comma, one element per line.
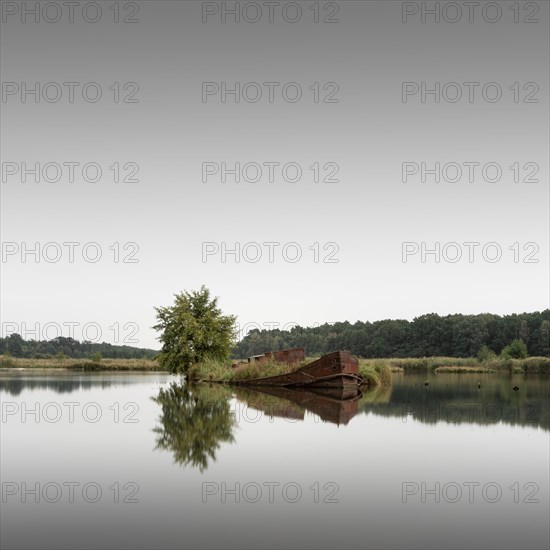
<point>334,370</point>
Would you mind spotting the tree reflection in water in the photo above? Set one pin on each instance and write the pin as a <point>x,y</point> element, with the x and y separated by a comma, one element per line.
<point>195,421</point>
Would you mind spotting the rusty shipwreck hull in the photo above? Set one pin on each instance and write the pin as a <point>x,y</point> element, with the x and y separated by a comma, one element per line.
<point>338,369</point>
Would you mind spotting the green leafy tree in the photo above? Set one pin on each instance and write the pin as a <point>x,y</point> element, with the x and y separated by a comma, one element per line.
<point>15,345</point>
<point>515,350</point>
<point>192,330</point>
<point>545,337</point>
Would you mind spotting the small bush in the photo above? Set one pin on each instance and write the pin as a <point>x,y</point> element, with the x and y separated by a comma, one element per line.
<point>515,350</point>
<point>486,354</point>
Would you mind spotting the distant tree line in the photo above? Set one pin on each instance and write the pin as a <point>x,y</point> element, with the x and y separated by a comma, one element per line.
<point>426,336</point>
<point>15,346</point>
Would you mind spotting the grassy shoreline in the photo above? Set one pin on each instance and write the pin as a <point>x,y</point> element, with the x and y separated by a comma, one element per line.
<point>17,363</point>
<point>222,371</point>
<point>377,371</point>
<point>459,370</point>
<point>529,365</point>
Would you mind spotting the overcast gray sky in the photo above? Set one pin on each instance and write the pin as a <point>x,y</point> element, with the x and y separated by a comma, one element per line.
<point>423,136</point>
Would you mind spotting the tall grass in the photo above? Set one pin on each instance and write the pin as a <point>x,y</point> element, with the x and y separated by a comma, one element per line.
<point>451,370</point>
<point>375,373</point>
<point>222,371</point>
<point>533,365</point>
<point>7,362</point>
<point>83,364</point>
<point>212,369</point>
<point>265,368</point>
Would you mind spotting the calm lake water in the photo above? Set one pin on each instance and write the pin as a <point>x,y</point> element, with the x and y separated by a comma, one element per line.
<point>142,461</point>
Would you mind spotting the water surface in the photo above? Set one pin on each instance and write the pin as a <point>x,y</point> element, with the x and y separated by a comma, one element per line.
<point>142,461</point>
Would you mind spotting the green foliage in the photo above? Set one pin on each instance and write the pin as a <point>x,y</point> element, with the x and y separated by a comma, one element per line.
<point>222,371</point>
<point>192,330</point>
<point>377,374</point>
<point>96,357</point>
<point>486,354</point>
<point>6,361</point>
<point>62,348</point>
<point>42,356</point>
<point>544,337</point>
<point>515,350</point>
<point>458,370</point>
<point>14,345</point>
<point>211,369</point>
<point>533,365</point>
<point>266,368</point>
<point>431,335</point>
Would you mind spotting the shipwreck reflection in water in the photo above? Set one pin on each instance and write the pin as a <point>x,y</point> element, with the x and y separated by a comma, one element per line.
<point>337,406</point>
<point>196,419</point>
